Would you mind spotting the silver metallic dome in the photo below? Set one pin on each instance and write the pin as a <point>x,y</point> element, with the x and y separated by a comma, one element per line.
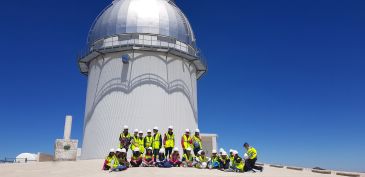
<point>161,17</point>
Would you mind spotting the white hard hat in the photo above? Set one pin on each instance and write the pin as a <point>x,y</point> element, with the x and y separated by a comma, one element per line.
<point>231,150</point>
<point>162,151</point>
<point>140,132</point>
<point>119,150</point>
<point>245,156</point>
<point>135,130</point>
<point>214,151</point>
<point>149,131</point>
<point>197,131</point>
<point>187,130</point>
<point>171,127</point>
<point>200,152</point>
<point>125,127</point>
<point>150,148</point>
<point>176,149</point>
<point>155,128</point>
<point>235,152</point>
<point>224,153</point>
<point>124,150</point>
<point>188,149</point>
<point>111,150</point>
<point>136,149</point>
<point>221,150</point>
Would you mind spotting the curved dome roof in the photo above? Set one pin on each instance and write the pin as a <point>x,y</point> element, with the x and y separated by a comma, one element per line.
<point>160,17</point>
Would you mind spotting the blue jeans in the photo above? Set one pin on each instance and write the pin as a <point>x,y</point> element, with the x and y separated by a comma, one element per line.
<point>120,168</point>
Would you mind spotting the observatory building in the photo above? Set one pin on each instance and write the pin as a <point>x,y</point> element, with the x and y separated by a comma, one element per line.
<point>142,65</point>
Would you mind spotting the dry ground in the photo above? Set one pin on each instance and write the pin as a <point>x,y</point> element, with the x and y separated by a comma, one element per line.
<point>92,168</point>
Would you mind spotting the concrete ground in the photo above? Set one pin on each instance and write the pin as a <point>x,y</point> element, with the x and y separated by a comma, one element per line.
<point>92,168</point>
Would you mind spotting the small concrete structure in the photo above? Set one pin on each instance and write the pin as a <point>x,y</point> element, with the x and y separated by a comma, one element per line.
<point>42,157</point>
<point>347,174</point>
<point>322,171</point>
<point>295,168</point>
<point>66,148</point>
<point>209,142</point>
<point>277,166</point>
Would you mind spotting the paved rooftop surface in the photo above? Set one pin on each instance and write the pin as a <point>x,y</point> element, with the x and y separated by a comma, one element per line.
<point>92,168</point>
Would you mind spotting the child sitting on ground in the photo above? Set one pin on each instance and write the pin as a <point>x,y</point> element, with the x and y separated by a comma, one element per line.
<point>136,159</point>
<point>148,160</point>
<point>175,158</point>
<point>161,160</point>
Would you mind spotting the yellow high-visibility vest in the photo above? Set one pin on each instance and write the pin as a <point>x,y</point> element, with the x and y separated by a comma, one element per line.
<point>170,140</point>
<point>201,159</point>
<point>187,141</point>
<point>190,158</point>
<point>136,157</point>
<point>238,163</point>
<point>134,143</point>
<point>197,139</point>
<point>156,141</point>
<point>252,153</point>
<point>148,140</point>
<point>112,161</point>
<point>140,144</point>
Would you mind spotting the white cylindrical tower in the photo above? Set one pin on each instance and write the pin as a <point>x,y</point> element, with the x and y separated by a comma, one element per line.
<point>142,66</point>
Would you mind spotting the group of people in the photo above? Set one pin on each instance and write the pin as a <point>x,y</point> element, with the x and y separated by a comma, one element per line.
<point>160,151</point>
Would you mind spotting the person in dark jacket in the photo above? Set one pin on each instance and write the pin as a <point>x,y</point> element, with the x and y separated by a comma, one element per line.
<point>224,161</point>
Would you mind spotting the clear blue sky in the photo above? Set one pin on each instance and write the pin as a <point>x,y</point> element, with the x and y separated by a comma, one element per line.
<point>286,76</point>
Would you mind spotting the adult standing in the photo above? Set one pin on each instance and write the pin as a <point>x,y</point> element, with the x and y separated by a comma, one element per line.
<point>140,141</point>
<point>169,142</point>
<point>186,140</point>
<point>125,138</point>
<point>148,140</point>
<point>197,142</point>
<point>157,142</point>
<point>134,141</point>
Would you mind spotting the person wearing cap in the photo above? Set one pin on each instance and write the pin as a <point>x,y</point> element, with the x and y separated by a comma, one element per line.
<point>148,140</point>
<point>175,158</point>
<point>122,158</point>
<point>134,141</point>
<point>137,158</point>
<point>125,138</point>
<point>250,163</point>
<point>169,141</point>
<point>224,161</point>
<point>186,140</point>
<point>214,160</point>
<point>188,158</point>
<point>202,160</point>
<point>148,160</point>
<point>157,142</point>
<point>197,142</point>
<point>140,141</point>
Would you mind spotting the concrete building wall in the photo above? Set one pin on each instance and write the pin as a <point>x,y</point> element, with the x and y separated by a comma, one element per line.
<point>153,89</point>
<point>209,143</point>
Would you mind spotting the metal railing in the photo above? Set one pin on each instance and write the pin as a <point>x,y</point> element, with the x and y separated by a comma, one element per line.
<point>145,41</point>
